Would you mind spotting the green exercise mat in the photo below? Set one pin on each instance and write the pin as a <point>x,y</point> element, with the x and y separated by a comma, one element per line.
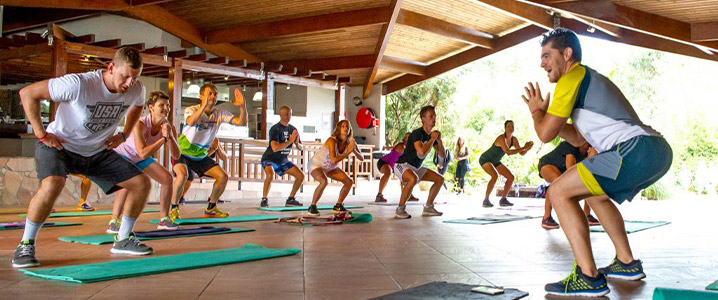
<point>359,218</point>
<point>224,220</point>
<point>50,224</point>
<point>713,286</point>
<point>296,208</point>
<point>484,220</point>
<point>676,294</point>
<point>110,238</point>
<point>155,265</point>
<point>634,226</point>
<point>86,213</point>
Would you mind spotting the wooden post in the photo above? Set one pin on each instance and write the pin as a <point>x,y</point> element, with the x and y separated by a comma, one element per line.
<point>241,165</point>
<point>59,68</point>
<point>174,87</point>
<point>337,105</point>
<point>267,102</point>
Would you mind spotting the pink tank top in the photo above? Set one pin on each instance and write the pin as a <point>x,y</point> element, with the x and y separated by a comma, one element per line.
<point>128,149</point>
<point>391,158</point>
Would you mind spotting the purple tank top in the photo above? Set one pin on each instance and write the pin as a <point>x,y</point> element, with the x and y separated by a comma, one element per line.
<point>391,158</point>
<point>128,149</point>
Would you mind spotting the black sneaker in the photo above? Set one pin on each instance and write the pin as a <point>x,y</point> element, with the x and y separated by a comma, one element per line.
<point>292,202</point>
<point>505,202</point>
<point>549,223</point>
<point>264,203</point>
<point>130,245</point>
<point>619,270</point>
<point>412,198</point>
<point>578,284</point>
<point>338,208</point>
<point>487,203</point>
<point>24,255</point>
<point>313,211</point>
<point>592,221</point>
<point>380,198</point>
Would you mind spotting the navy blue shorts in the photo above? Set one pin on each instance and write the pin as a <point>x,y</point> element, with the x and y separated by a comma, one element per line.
<point>279,168</point>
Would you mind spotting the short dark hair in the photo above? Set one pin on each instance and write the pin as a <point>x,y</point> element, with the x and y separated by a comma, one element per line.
<point>562,38</point>
<point>507,122</point>
<point>128,55</point>
<point>207,86</point>
<point>425,109</point>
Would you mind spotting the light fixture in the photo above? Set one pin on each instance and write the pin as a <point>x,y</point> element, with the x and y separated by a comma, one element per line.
<point>193,89</point>
<point>226,77</point>
<point>244,88</point>
<point>289,86</point>
<point>258,95</point>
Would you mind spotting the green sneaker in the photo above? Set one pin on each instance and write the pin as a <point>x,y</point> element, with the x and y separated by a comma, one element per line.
<point>619,270</point>
<point>578,284</point>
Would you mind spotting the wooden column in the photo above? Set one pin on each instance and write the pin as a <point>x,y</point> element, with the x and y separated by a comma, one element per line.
<point>338,107</point>
<point>59,68</point>
<point>267,102</point>
<point>174,87</point>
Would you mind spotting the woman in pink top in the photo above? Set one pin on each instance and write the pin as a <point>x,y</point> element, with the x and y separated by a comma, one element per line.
<point>150,133</point>
<point>386,165</point>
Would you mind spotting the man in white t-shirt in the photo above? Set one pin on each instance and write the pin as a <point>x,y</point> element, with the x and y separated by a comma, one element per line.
<point>202,122</point>
<point>90,106</point>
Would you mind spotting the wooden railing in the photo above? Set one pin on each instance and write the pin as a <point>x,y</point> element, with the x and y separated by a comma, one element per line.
<point>244,162</point>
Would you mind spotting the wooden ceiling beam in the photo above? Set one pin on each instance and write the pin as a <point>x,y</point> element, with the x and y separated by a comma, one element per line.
<point>162,51</point>
<point>369,16</point>
<point>163,19</point>
<point>386,29</point>
<point>527,12</point>
<point>218,60</point>
<point>630,18</point>
<point>430,24</point>
<point>113,43</point>
<point>177,54</point>
<point>402,65</point>
<point>69,4</point>
<point>703,32</point>
<point>465,57</point>
<point>332,63</point>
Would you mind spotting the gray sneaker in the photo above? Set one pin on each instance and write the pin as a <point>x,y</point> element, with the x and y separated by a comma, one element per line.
<point>113,227</point>
<point>430,211</point>
<point>130,245</point>
<point>24,255</point>
<point>401,212</point>
<point>167,223</point>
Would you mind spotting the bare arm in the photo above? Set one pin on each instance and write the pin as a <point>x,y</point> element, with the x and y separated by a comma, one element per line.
<point>439,148</point>
<point>422,149</point>
<point>277,146</point>
<point>571,135</point>
<point>172,142</point>
<point>331,144</point>
<point>502,143</point>
<point>570,161</point>
<point>30,96</point>
<point>144,150</point>
<point>241,119</point>
<point>194,118</point>
<point>358,153</point>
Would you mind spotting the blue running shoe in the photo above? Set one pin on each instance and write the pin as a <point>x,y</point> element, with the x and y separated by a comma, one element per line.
<point>578,284</point>
<point>619,270</point>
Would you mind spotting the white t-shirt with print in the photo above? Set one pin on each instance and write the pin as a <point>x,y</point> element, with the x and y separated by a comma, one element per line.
<point>87,112</point>
<point>196,140</point>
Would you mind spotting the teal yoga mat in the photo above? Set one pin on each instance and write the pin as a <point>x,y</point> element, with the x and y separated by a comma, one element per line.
<point>713,286</point>
<point>634,226</point>
<point>224,220</point>
<point>86,213</point>
<point>489,219</point>
<point>156,265</point>
<point>110,238</point>
<point>296,208</point>
<point>54,224</point>
<point>676,294</point>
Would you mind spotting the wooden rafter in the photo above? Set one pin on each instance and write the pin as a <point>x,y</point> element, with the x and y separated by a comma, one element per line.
<point>369,16</point>
<point>443,28</point>
<point>633,19</point>
<point>333,63</point>
<point>529,13</point>
<point>403,65</point>
<point>386,29</point>
<point>464,57</point>
<point>166,21</point>
<point>69,4</point>
<point>701,32</point>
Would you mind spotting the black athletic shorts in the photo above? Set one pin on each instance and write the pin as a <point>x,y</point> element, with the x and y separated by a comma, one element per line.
<point>196,166</point>
<point>106,168</point>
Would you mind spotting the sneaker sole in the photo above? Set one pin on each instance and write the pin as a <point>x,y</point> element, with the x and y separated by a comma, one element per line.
<point>167,228</point>
<point>118,251</point>
<point>550,227</point>
<point>313,215</point>
<point>293,205</point>
<point>215,217</point>
<point>401,217</point>
<point>487,206</point>
<point>626,277</point>
<point>30,265</point>
<point>431,215</point>
<point>581,294</point>
<point>595,224</point>
<point>112,231</point>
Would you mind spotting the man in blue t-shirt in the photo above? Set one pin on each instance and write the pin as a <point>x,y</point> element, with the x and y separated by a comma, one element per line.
<point>275,159</point>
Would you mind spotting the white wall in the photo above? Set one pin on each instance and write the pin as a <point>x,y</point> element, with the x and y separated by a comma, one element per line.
<point>376,101</point>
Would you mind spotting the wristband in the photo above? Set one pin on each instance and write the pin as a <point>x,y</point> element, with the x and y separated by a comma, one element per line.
<point>124,138</point>
<point>535,111</point>
<point>42,139</point>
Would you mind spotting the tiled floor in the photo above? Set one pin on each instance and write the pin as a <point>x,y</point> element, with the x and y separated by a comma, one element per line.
<point>367,260</point>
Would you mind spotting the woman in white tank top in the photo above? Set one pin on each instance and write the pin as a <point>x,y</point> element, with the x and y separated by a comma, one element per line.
<point>325,163</point>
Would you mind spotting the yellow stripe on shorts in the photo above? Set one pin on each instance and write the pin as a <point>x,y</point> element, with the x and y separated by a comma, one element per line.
<point>589,181</point>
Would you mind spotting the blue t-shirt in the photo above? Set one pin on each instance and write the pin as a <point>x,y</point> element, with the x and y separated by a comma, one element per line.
<point>280,134</point>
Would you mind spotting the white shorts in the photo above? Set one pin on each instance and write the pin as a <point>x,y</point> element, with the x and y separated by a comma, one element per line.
<point>400,168</point>
<point>325,165</point>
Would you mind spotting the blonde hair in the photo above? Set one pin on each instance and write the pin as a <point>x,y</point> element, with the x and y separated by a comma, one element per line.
<point>157,95</point>
<point>459,147</point>
<point>337,130</point>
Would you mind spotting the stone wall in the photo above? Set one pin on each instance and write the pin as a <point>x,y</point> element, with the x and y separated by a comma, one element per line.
<point>18,183</point>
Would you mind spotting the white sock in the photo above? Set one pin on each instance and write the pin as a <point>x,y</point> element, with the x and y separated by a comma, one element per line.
<point>126,227</point>
<point>31,230</point>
